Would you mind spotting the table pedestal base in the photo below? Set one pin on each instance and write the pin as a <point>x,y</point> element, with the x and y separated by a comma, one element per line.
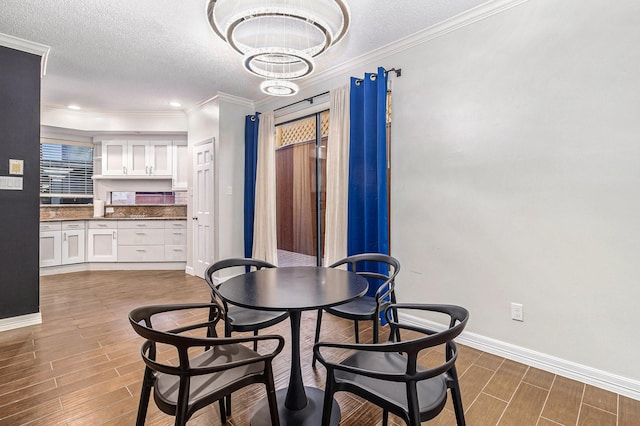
<point>311,415</point>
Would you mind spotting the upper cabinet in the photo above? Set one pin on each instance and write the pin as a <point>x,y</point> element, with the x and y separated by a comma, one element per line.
<point>180,165</point>
<point>114,157</point>
<point>149,158</point>
<point>140,158</point>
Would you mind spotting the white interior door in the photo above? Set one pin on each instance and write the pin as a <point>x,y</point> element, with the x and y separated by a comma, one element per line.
<point>203,196</point>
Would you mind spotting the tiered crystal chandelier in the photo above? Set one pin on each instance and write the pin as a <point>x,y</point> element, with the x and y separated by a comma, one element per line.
<point>279,39</point>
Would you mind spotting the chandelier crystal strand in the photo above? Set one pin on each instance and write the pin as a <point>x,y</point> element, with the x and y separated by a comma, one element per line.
<point>279,39</point>
<point>279,87</point>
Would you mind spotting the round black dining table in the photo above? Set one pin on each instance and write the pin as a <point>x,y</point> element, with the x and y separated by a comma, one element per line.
<point>294,289</point>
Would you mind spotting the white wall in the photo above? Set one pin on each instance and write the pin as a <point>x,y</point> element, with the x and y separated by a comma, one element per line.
<point>231,176</point>
<point>515,171</point>
<point>222,118</point>
<point>515,167</point>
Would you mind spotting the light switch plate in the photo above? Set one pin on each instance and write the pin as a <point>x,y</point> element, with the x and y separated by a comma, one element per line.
<point>13,183</point>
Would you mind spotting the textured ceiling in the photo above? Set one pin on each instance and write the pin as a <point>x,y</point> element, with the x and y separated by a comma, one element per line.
<point>137,55</point>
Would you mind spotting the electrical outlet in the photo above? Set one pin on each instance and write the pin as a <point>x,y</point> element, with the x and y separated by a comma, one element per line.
<point>517,312</point>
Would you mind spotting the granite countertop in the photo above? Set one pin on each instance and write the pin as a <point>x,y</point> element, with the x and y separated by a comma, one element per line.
<point>134,217</point>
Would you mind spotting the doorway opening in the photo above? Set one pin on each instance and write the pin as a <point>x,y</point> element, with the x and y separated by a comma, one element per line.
<point>301,147</point>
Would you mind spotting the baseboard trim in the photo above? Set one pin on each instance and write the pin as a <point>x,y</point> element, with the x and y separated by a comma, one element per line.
<point>562,367</point>
<point>112,266</point>
<point>20,321</point>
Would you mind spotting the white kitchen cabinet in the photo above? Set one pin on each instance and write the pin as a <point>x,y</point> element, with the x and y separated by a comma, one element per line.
<point>102,241</point>
<point>137,160</point>
<point>175,253</point>
<point>175,240</point>
<point>175,237</point>
<point>50,246</point>
<point>73,239</point>
<point>113,241</point>
<point>159,158</point>
<point>140,241</point>
<point>115,157</point>
<point>62,243</point>
<point>180,166</point>
<point>150,158</point>
<point>128,237</point>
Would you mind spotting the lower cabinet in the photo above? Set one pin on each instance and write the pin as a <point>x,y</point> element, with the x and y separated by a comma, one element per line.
<point>73,247</point>
<point>62,243</point>
<point>175,240</point>
<point>152,240</point>
<point>102,241</point>
<point>140,241</point>
<point>115,241</point>
<point>50,246</point>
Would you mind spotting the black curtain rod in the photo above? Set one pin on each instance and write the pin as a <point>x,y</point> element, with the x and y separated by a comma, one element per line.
<point>310,100</point>
<point>397,71</point>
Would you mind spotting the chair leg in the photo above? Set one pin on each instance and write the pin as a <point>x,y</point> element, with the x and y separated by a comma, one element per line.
<point>227,333</point>
<point>395,318</point>
<point>210,330</point>
<point>271,396</point>
<point>223,414</point>
<point>456,398</point>
<point>412,404</point>
<point>328,399</point>
<point>317,338</point>
<point>385,418</point>
<point>355,326</point>
<point>145,394</point>
<point>255,342</point>
<point>375,330</point>
<point>228,400</point>
<point>182,406</point>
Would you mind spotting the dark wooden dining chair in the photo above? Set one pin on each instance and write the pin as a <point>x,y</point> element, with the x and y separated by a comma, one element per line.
<point>237,318</point>
<point>380,270</point>
<point>200,378</point>
<point>389,375</point>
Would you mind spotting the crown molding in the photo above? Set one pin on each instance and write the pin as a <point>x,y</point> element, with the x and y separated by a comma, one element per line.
<point>114,121</point>
<point>110,113</point>
<point>452,24</point>
<point>221,96</point>
<point>28,47</point>
<point>235,100</point>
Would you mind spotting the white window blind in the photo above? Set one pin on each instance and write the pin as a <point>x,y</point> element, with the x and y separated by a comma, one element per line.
<point>66,170</point>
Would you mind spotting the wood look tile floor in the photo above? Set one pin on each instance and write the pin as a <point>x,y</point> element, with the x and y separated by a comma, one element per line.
<point>82,366</point>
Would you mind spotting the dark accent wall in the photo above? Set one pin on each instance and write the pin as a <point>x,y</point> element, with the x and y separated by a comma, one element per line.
<point>19,210</point>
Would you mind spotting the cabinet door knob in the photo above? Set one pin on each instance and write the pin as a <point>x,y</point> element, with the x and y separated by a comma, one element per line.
<point>195,218</point>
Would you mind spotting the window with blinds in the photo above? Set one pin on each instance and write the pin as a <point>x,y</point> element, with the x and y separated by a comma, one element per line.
<point>65,173</point>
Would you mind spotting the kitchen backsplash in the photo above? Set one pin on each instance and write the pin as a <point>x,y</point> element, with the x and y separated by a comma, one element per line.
<point>86,211</point>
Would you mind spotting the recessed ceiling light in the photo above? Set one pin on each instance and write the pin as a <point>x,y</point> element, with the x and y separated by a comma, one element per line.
<point>73,107</point>
<point>175,104</point>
